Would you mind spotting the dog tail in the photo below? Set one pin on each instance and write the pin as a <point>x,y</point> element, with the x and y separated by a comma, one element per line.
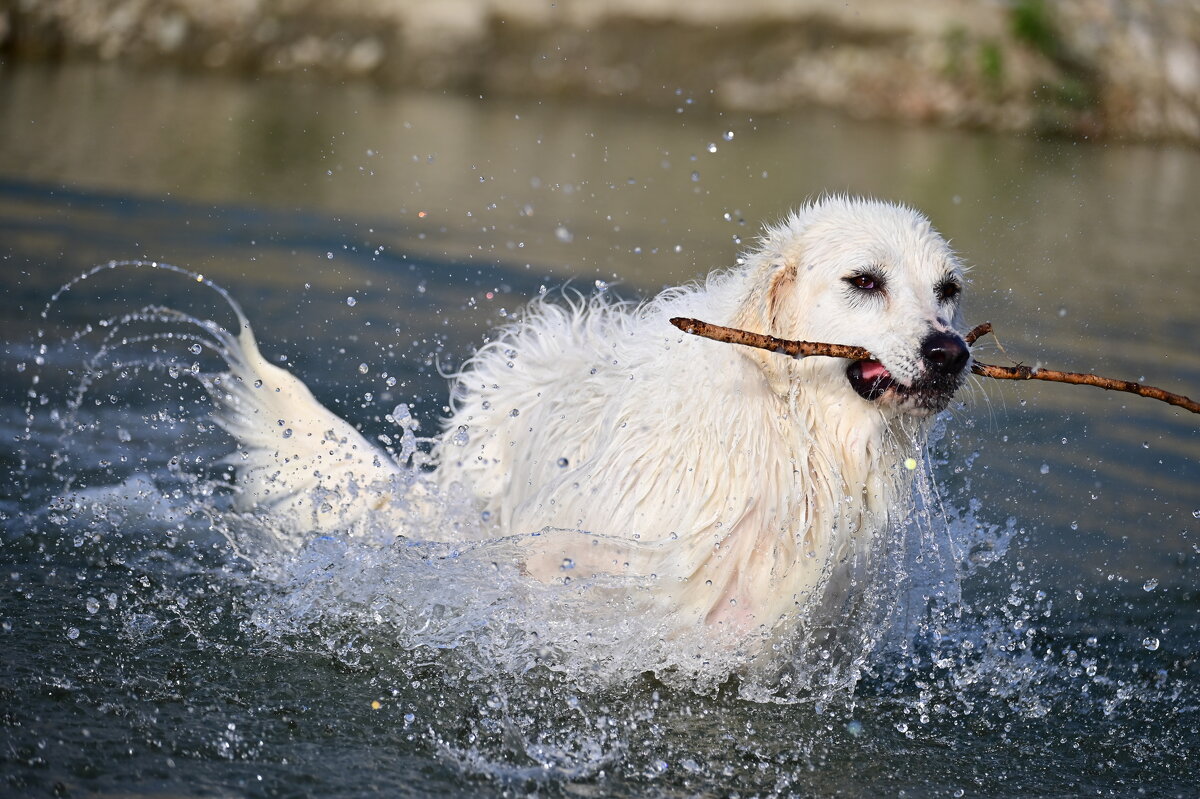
<point>297,460</point>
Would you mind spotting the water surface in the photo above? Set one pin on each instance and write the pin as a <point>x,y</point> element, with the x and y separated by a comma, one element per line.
<point>392,231</point>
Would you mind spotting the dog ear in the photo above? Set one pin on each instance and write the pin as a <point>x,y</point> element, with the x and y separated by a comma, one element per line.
<point>769,310</point>
<point>770,301</point>
<point>781,319</point>
<point>781,300</point>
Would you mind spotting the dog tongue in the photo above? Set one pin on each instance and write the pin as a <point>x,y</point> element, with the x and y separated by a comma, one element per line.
<point>873,370</point>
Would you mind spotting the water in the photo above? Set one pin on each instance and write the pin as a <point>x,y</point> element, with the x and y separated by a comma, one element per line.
<point>152,644</point>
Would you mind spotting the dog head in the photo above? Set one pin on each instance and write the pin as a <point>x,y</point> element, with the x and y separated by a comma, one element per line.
<point>870,274</point>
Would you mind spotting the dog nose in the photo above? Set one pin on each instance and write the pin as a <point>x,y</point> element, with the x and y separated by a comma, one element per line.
<point>945,353</point>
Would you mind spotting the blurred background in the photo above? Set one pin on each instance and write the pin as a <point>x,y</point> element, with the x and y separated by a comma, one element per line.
<point>1126,68</point>
<point>382,182</point>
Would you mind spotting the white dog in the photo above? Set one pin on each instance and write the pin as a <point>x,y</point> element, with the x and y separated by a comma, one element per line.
<point>751,485</point>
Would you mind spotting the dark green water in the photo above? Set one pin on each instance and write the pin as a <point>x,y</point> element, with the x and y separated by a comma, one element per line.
<point>142,656</point>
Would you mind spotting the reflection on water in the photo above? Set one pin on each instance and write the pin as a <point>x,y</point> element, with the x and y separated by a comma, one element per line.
<point>157,660</point>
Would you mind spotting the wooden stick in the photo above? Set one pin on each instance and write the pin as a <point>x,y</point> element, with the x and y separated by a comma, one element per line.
<point>803,349</point>
<point>1020,372</point>
<point>981,329</point>
<point>796,349</point>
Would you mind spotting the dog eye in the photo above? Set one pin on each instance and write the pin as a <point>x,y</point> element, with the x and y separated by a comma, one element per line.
<point>947,290</point>
<point>865,281</point>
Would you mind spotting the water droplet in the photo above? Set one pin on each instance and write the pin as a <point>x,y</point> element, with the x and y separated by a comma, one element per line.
<point>712,147</point>
<point>363,368</point>
<point>855,728</point>
<point>287,433</point>
<point>1045,468</point>
<point>92,604</point>
<point>910,463</point>
<point>562,234</point>
<point>1150,584</point>
<point>695,177</point>
<point>351,301</point>
<point>73,633</point>
<point>563,463</point>
<point>515,412</point>
<point>1150,643</point>
<point>567,564</point>
<point>728,135</point>
<point>461,437</point>
<point>195,349</point>
<point>258,384</point>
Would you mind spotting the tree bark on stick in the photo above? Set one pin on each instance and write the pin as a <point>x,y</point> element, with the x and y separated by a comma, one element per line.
<point>804,349</point>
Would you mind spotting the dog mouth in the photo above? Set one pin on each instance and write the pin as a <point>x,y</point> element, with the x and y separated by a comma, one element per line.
<point>872,381</point>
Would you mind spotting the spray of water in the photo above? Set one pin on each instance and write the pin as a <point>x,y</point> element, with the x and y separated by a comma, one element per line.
<point>421,598</point>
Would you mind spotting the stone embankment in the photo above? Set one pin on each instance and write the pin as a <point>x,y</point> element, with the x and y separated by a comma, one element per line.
<point>1097,68</point>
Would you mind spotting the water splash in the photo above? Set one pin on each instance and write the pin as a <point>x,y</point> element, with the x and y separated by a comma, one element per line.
<point>595,629</point>
<point>522,681</point>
